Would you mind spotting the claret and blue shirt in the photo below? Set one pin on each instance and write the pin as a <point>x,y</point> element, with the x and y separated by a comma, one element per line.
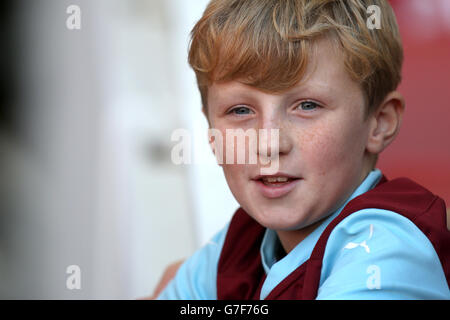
<point>372,253</point>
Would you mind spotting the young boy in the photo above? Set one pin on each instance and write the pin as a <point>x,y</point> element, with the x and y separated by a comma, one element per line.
<point>327,224</point>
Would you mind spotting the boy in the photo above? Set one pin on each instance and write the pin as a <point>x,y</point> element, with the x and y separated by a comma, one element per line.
<point>327,224</point>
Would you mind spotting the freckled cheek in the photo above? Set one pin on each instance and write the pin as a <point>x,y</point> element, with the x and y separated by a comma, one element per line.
<point>237,179</point>
<point>321,150</point>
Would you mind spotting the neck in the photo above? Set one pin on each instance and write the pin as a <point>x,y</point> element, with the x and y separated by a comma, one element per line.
<point>291,238</point>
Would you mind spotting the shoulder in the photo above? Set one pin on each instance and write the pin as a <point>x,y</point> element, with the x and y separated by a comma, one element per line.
<point>398,195</point>
<point>378,253</point>
<point>196,278</point>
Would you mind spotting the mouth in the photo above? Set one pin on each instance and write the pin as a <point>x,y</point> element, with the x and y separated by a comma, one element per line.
<point>277,185</point>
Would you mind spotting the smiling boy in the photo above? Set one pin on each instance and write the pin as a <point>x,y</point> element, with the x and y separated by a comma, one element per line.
<point>328,224</point>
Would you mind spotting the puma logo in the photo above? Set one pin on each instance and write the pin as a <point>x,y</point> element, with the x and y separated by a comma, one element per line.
<point>352,245</point>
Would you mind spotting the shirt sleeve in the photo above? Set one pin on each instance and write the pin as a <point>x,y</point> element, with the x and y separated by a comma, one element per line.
<point>379,254</point>
<point>196,278</point>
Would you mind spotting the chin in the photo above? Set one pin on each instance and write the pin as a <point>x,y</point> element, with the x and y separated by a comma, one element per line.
<point>280,219</point>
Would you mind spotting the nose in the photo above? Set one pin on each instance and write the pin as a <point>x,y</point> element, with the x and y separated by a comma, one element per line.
<point>274,138</point>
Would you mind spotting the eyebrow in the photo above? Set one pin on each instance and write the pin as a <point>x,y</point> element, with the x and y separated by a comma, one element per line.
<point>233,95</point>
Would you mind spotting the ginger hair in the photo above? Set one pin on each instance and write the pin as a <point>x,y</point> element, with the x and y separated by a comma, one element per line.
<point>267,44</point>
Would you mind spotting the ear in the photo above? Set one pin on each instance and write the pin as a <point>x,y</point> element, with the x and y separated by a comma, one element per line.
<point>385,122</point>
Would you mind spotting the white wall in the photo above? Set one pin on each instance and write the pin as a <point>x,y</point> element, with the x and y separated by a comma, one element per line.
<point>150,91</point>
<point>213,202</point>
<point>96,184</point>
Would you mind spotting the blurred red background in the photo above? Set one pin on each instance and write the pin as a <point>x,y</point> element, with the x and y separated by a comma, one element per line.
<point>422,149</point>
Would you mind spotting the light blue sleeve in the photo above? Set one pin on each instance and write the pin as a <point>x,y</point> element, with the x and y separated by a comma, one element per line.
<point>197,276</point>
<point>379,254</point>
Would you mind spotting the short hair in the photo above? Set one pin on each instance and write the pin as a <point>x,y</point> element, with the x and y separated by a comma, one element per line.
<point>266,43</point>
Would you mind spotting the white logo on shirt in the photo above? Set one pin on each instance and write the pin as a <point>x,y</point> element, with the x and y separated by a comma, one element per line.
<point>352,245</point>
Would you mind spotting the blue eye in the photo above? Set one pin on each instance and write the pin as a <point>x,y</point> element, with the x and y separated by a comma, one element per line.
<point>240,110</point>
<point>308,105</point>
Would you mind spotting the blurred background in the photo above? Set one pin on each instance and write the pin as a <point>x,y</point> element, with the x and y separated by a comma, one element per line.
<point>86,121</point>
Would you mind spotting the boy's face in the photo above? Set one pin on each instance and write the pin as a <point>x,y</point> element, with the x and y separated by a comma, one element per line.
<point>322,142</point>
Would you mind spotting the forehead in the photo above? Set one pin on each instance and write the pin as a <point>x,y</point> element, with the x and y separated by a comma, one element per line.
<point>325,73</point>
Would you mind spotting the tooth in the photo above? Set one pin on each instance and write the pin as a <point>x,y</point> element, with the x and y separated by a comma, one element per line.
<point>275,179</point>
